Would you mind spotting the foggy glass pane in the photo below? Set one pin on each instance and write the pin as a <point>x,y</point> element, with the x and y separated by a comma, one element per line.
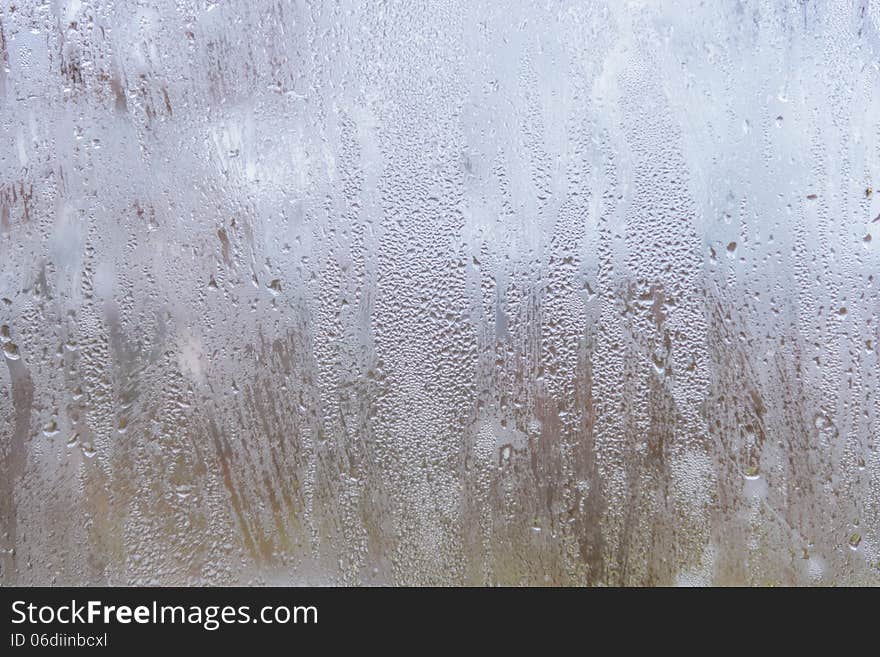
<point>566,293</point>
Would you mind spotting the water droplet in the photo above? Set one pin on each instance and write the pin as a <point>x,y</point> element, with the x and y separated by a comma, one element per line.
<point>10,350</point>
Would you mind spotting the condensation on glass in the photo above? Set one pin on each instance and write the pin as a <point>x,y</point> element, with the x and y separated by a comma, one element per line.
<point>571,293</point>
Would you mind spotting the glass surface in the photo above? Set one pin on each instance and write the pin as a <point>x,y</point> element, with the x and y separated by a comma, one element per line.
<point>566,293</point>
